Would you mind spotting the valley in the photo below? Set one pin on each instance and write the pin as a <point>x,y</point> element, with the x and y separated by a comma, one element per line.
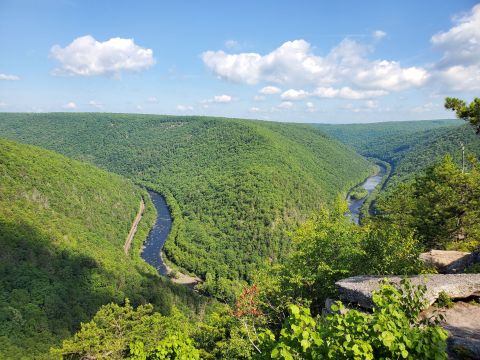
<point>239,180</point>
<point>354,205</point>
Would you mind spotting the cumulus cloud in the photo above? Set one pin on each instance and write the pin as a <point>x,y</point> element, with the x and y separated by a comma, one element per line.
<point>459,67</point>
<point>258,98</point>
<point>293,94</point>
<point>184,108</point>
<point>269,90</point>
<point>347,93</point>
<point>70,105</point>
<point>379,34</point>
<point>7,77</point>
<point>231,44</point>
<point>95,104</point>
<point>285,105</point>
<point>310,106</point>
<point>3,104</point>
<point>218,99</point>
<point>222,98</point>
<point>425,108</point>
<point>86,56</point>
<point>294,63</point>
<point>254,109</point>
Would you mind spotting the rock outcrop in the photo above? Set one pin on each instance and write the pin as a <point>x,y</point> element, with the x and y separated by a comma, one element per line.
<point>462,321</point>
<point>446,262</point>
<point>359,289</point>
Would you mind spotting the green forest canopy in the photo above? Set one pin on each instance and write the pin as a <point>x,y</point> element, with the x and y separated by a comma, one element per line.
<point>62,228</point>
<point>234,186</point>
<point>409,146</point>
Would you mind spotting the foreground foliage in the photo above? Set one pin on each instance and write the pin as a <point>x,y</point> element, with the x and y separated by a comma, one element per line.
<point>329,248</point>
<point>392,331</point>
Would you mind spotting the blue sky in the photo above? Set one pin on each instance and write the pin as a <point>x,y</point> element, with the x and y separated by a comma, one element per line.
<point>299,61</point>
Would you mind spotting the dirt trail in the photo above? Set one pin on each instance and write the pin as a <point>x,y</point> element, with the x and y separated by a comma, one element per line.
<point>133,229</point>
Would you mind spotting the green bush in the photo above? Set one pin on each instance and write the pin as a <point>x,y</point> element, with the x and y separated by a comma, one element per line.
<point>392,331</point>
<point>444,300</point>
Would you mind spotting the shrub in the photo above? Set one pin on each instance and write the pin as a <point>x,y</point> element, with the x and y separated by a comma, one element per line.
<point>392,331</point>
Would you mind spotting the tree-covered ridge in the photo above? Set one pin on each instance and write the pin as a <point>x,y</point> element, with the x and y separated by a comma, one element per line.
<point>409,147</point>
<point>234,186</point>
<point>62,227</point>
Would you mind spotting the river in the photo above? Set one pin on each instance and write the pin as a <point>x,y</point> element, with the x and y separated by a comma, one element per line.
<point>158,234</point>
<point>369,184</point>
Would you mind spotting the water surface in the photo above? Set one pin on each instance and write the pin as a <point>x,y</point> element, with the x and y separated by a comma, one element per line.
<point>369,184</point>
<point>158,234</point>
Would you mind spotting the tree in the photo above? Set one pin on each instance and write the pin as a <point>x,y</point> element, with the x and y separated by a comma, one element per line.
<point>470,112</point>
<point>442,206</point>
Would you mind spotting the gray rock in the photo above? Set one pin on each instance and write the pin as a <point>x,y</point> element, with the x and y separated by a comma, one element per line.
<point>447,262</point>
<point>462,321</point>
<point>358,289</point>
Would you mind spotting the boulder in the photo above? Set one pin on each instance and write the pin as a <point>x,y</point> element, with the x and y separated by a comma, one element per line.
<point>446,262</point>
<point>462,321</point>
<point>358,289</point>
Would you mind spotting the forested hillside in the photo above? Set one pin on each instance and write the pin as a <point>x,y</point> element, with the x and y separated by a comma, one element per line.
<point>62,227</point>
<point>408,146</point>
<point>234,186</point>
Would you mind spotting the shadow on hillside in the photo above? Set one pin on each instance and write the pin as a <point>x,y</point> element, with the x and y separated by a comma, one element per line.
<point>45,292</point>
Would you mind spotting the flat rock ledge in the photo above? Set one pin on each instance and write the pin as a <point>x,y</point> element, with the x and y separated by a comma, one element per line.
<point>358,289</point>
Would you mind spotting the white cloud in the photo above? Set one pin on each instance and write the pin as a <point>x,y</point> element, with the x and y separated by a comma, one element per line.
<point>269,90</point>
<point>219,99</point>
<point>184,108</point>
<point>258,98</point>
<point>461,44</point>
<point>310,106</point>
<point>231,44</point>
<point>389,75</point>
<point>222,98</point>
<point>294,63</point>
<point>371,104</point>
<point>428,107</point>
<point>70,105</point>
<point>86,56</point>
<point>347,93</point>
<point>254,109</point>
<point>293,94</point>
<point>459,67</point>
<point>152,100</point>
<point>7,77</point>
<point>3,104</point>
<point>379,34</point>
<point>95,104</point>
<point>285,105</point>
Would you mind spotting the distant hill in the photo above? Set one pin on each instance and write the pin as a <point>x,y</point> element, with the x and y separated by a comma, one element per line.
<point>408,146</point>
<point>235,186</point>
<point>62,227</point>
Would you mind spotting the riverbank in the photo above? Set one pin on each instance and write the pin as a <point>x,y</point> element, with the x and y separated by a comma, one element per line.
<point>179,277</point>
<point>152,248</point>
<point>369,185</point>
